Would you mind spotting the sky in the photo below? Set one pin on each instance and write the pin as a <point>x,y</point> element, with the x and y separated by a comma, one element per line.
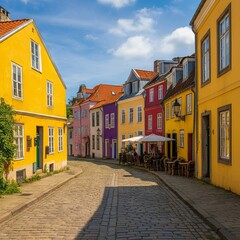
<point>101,41</point>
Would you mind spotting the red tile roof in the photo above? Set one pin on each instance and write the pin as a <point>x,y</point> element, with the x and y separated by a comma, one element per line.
<point>148,75</point>
<point>6,27</point>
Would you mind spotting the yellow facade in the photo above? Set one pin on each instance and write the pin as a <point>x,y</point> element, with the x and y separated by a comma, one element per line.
<point>130,129</point>
<point>217,150</point>
<point>36,111</point>
<point>180,130</point>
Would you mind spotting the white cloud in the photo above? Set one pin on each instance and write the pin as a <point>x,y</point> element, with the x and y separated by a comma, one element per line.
<point>25,1</point>
<point>91,37</point>
<point>134,47</point>
<point>117,3</point>
<point>177,40</point>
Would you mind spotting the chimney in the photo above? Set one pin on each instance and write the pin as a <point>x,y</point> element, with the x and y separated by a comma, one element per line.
<point>4,15</point>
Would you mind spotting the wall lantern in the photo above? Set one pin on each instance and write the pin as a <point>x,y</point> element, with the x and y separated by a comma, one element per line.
<point>176,110</point>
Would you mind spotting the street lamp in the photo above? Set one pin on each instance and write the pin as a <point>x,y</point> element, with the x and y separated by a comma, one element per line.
<point>176,110</point>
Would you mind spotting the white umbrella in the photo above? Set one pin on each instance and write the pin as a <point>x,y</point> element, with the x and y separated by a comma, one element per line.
<point>155,138</point>
<point>133,139</point>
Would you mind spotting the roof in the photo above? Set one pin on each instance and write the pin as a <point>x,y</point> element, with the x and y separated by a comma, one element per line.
<point>200,6</point>
<point>180,86</point>
<point>10,26</point>
<point>146,75</point>
<point>155,80</point>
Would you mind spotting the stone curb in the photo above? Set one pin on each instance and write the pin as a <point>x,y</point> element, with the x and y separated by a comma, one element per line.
<point>213,223</point>
<point>38,197</point>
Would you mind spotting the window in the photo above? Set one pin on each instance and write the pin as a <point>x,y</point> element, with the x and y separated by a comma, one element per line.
<point>97,118</point>
<point>160,92</point>
<point>151,95</point>
<point>185,71</point>
<point>149,122</point>
<point>224,33</point>
<point>93,119</point>
<point>131,115</point>
<point>180,102</point>
<point>49,94</point>
<point>139,113</point>
<point>93,142</point>
<point>17,80</point>
<point>167,111</point>
<point>19,140</point>
<point>112,120</point>
<point>206,59</point>
<point>36,57</point>
<point>51,139</point>
<point>135,87</point>
<point>123,115</point>
<point>181,138</point>
<point>224,138</point>
<point>174,78</point>
<point>172,109</point>
<point>159,121</point>
<point>98,142</point>
<point>189,103</point>
<point>60,139</point>
<point>106,120</point>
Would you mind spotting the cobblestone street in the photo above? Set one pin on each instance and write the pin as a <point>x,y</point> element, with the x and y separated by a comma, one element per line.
<point>108,202</point>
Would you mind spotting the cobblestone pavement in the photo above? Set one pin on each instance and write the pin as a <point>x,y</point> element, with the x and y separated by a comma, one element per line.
<point>108,202</point>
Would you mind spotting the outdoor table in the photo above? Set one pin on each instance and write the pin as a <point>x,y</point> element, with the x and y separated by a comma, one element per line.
<point>182,168</point>
<point>170,165</point>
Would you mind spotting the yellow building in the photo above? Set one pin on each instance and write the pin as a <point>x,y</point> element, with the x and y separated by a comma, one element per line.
<point>216,26</point>
<point>131,107</point>
<point>179,125</point>
<point>32,85</point>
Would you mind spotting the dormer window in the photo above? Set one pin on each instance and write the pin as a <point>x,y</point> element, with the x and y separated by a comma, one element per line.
<point>174,79</point>
<point>135,87</point>
<point>185,70</point>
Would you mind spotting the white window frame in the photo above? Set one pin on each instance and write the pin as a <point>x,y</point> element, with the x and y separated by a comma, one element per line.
<point>151,95</point>
<point>19,141</point>
<point>49,94</point>
<point>93,142</point>
<point>51,139</point>
<point>106,120</point>
<point>131,112</point>
<point>149,122</point>
<point>17,81</point>
<point>60,139</point>
<point>93,119</point>
<point>159,121</point>
<point>185,70</point>
<point>97,119</point>
<point>206,59</point>
<point>36,56</point>
<point>160,92</point>
<point>139,113</point>
<point>135,87</point>
<point>112,120</point>
<point>189,103</point>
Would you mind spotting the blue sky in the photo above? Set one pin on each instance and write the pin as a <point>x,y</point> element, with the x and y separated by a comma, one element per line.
<point>100,41</point>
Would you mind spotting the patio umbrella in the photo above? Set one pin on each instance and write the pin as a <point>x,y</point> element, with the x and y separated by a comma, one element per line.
<point>133,139</point>
<point>155,138</point>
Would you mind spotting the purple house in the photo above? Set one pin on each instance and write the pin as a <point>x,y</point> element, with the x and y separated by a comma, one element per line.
<point>110,119</point>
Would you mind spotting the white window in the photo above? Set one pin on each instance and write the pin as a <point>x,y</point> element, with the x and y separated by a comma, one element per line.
<point>225,133</point>
<point>172,109</point>
<point>51,139</point>
<point>151,95</point>
<point>185,71</point>
<point>174,78</point>
<point>112,120</point>
<point>93,141</point>
<point>189,103</point>
<point>160,92</point>
<point>224,42</point>
<point>93,119</point>
<point>36,56</point>
<point>98,142</point>
<point>131,115</point>
<point>17,81</point>
<point>123,115</point>
<point>135,87</point>
<point>181,138</point>
<point>106,120</point>
<point>49,94</point>
<point>139,113</point>
<point>159,121</point>
<point>205,60</point>
<point>97,118</point>
<point>60,139</point>
<point>149,122</point>
<point>19,140</point>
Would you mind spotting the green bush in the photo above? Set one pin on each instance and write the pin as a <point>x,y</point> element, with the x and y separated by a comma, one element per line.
<point>10,188</point>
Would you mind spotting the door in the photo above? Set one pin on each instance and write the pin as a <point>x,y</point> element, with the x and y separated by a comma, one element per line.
<point>168,146</point>
<point>174,146</point>
<point>190,146</point>
<point>107,148</point>
<point>39,147</point>
<point>114,149</point>
<point>206,147</point>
